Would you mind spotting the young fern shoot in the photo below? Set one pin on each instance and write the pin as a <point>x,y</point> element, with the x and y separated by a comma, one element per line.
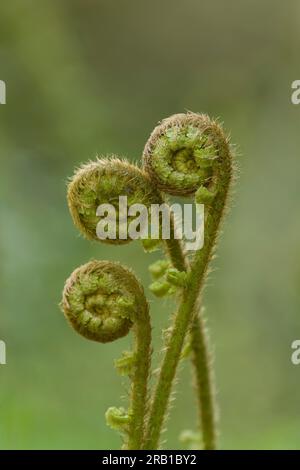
<point>103,300</point>
<point>189,155</point>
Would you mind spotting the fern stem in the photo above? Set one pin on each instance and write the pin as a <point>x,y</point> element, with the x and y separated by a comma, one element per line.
<point>200,355</point>
<point>103,300</point>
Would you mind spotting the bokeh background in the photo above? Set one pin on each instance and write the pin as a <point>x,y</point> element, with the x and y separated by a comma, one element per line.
<point>87,77</point>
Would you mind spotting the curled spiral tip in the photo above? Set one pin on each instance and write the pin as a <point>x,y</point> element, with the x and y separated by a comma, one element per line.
<point>183,151</point>
<point>102,182</point>
<point>102,300</point>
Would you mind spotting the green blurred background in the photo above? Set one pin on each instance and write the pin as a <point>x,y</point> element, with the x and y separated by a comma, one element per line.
<point>87,77</point>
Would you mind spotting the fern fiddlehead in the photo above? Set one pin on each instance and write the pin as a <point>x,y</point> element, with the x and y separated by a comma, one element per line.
<point>189,154</point>
<point>95,183</point>
<point>102,301</point>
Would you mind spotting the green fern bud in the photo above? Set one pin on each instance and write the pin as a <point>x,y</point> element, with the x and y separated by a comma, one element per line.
<point>118,419</point>
<point>159,268</point>
<point>125,364</point>
<point>161,288</point>
<point>176,278</point>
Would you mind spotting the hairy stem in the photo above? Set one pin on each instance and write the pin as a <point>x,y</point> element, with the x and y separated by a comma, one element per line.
<point>187,310</point>
<point>139,387</point>
<point>200,354</point>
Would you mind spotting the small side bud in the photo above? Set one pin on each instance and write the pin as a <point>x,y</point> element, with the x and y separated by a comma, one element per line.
<point>176,278</point>
<point>117,418</point>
